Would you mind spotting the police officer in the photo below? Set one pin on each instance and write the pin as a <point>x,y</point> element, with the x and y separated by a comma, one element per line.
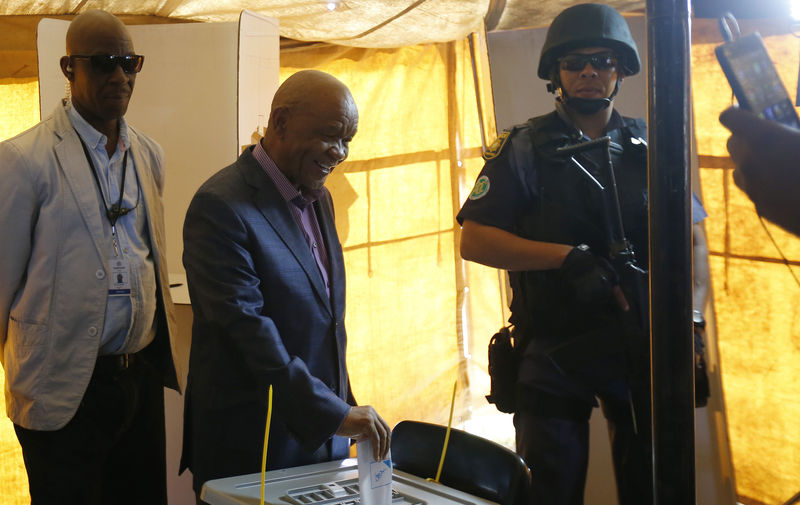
<point>533,213</point>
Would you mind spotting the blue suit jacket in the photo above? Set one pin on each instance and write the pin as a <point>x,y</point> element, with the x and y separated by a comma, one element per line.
<point>261,316</point>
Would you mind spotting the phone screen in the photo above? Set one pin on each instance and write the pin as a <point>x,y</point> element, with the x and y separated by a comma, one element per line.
<point>754,80</point>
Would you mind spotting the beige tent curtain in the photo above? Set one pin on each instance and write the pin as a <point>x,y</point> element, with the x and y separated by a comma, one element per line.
<point>756,299</point>
<point>357,23</point>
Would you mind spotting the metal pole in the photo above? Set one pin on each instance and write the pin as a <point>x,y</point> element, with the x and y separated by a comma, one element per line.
<point>671,349</point>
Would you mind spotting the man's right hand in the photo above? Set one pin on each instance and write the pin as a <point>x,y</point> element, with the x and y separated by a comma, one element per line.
<point>362,423</point>
<point>591,279</point>
<point>767,157</point>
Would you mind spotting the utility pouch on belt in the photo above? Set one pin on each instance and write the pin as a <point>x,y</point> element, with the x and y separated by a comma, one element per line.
<point>503,369</point>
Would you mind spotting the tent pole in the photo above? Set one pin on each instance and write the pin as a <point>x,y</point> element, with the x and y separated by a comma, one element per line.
<point>672,352</point>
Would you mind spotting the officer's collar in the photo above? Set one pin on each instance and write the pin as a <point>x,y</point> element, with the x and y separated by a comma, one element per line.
<point>614,122</point>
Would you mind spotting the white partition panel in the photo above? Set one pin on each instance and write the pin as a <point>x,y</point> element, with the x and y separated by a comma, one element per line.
<point>258,73</point>
<point>51,46</point>
<point>185,99</point>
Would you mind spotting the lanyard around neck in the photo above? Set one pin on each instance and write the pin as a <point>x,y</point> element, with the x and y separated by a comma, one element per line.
<point>116,209</point>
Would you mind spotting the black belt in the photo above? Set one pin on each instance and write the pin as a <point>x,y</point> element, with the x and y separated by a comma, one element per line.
<point>114,363</point>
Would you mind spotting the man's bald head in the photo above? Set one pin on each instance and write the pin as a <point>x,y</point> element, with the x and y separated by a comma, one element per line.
<point>312,121</point>
<point>100,93</point>
<point>91,27</point>
<point>306,88</point>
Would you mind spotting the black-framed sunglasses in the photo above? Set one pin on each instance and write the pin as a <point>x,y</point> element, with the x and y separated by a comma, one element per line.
<point>576,62</point>
<point>106,63</point>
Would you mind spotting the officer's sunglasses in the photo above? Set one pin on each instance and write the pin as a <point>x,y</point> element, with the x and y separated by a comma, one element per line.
<point>576,62</point>
<point>106,63</point>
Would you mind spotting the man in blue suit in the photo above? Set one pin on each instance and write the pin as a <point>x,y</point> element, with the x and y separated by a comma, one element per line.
<point>267,283</point>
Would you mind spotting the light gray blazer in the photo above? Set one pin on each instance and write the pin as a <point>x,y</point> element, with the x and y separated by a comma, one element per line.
<point>53,269</point>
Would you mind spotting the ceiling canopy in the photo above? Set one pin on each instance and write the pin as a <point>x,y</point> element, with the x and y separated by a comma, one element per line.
<point>360,23</point>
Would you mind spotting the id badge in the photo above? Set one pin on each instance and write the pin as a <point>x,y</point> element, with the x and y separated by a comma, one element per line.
<point>119,282</point>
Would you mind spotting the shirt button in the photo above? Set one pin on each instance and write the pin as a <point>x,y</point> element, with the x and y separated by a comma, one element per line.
<point>92,331</point>
<point>100,274</point>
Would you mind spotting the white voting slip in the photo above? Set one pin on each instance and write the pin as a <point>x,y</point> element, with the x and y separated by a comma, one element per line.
<point>331,483</point>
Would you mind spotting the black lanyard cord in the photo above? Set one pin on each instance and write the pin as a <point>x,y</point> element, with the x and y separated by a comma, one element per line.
<point>116,209</point>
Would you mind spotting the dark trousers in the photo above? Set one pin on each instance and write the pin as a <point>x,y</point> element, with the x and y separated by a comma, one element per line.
<point>556,448</point>
<point>112,451</point>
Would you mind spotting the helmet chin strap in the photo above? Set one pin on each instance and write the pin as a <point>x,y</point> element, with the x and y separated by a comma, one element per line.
<point>585,106</point>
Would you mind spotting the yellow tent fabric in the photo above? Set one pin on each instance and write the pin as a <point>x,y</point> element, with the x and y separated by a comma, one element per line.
<point>756,298</point>
<point>19,110</point>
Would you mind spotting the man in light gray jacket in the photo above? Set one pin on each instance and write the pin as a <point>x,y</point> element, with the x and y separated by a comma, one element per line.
<point>87,329</point>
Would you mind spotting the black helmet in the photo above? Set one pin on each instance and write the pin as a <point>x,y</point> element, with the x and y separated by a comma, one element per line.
<point>587,25</point>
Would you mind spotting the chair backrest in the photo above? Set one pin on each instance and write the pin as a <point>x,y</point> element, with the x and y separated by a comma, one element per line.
<point>473,464</point>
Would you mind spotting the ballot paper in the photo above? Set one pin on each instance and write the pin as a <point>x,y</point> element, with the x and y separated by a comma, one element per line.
<point>374,477</point>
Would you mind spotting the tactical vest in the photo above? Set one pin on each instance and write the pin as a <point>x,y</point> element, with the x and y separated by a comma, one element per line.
<point>567,208</point>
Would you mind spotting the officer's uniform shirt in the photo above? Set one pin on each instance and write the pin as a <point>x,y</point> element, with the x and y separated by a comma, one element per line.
<point>499,196</point>
<point>502,192</point>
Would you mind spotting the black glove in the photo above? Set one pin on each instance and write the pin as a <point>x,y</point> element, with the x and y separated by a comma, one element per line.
<point>590,279</point>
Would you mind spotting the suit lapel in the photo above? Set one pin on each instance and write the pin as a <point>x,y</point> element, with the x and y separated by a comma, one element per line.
<point>272,206</point>
<point>336,279</point>
<point>77,172</point>
<point>153,206</point>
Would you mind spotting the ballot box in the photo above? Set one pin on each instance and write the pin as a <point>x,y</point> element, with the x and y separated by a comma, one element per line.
<point>331,483</point>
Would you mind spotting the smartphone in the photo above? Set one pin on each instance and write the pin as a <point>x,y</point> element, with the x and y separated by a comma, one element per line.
<point>754,80</point>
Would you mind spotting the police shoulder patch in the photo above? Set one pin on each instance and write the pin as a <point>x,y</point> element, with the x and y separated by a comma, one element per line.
<point>493,151</point>
<point>480,189</point>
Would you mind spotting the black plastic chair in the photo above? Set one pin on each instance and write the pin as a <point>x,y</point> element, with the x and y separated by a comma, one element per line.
<point>473,464</point>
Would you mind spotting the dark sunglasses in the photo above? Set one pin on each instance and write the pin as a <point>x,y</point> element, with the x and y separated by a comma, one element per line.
<point>577,62</point>
<point>106,63</point>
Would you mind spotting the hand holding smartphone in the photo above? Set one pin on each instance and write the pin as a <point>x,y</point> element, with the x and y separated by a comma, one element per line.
<point>754,80</point>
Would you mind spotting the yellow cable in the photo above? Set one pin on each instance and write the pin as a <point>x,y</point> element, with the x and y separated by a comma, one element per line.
<point>447,434</point>
<point>266,440</point>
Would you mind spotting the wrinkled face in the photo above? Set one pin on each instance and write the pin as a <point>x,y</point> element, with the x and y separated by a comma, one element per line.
<point>100,96</point>
<point>589,72</point>
<point>316,139</point>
